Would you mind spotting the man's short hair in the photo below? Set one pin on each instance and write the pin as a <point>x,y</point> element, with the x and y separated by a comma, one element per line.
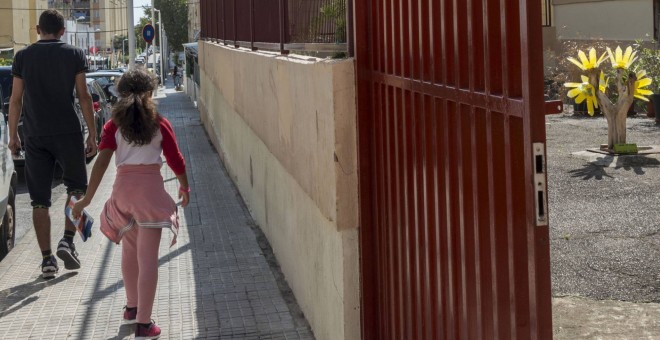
<point>51,21</point>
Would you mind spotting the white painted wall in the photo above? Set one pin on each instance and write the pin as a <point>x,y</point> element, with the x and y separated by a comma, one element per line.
<point>285,128</point>
<point>605,19</point>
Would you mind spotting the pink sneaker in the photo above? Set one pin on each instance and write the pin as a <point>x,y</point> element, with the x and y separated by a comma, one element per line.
<point>152,331</point>
<point>130,315</point>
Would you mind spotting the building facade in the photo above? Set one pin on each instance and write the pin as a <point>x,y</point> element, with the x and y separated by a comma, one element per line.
<point>18,22</point>
<point>106,19</point>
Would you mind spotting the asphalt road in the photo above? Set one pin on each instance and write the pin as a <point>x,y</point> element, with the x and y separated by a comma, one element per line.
<point>604,221</point>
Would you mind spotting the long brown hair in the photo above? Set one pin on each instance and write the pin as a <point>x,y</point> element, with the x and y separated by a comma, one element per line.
<point>135,113</point>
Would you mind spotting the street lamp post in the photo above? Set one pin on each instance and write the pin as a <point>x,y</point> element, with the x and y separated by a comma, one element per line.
<point>123,50</point>
<point>160,42</point>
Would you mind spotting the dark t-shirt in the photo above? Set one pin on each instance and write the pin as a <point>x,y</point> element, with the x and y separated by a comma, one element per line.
<point>48,69</point>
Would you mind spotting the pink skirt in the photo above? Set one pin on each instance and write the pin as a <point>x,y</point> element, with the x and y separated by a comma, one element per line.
<point>138,199</point>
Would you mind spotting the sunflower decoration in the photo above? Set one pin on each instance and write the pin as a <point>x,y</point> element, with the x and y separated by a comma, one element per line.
<point>640,83</point>
<point>588,63</point>
<point>620,60</point>
<point>583,91</point>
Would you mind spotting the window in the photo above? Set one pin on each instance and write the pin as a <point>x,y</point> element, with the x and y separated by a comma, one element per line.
<point>546,11</point>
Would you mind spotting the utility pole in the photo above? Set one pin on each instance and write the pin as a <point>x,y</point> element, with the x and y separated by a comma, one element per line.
<point>160,42</point>
<point>131,33</point>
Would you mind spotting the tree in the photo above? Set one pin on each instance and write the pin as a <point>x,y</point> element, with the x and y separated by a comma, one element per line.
<point>595,89</point>
<point>175,20</point>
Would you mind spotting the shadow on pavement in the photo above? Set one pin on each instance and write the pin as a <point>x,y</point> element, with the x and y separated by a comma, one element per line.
<point>590,171</point>
<point>123,332</point>
<point>14,298</point>
<point>596,169</point>
<point>99,295</point>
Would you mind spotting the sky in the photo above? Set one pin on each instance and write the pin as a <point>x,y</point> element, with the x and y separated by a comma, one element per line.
<point>138,11</point>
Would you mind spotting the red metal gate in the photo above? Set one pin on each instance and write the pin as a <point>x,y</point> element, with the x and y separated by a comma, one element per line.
<point>454,235</point>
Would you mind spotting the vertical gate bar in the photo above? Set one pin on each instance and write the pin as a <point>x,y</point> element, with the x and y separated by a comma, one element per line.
<point>503,47</point>
<point>350,40</point>
<point>407,39</point>
<point>407,205</point>
<point>388,14</point>
<point>413,223</point>
<point>393,217</point>
<point>281,15</point>
<point>482,209</point>
<point>502,225</point>
<point>417,54</point>
<point>420,186</point>
<point>401,214</point>
<point>224,23</point>
<point>509,224</point>
<point>433,285</point>
<point>448,258</point>
<point>218,21</point>
<point>379,223</point>
<point>385,225</point>
<point>235,26</point>
<point>396,38</point>
<point>252,25</point>
<point>449,48</point>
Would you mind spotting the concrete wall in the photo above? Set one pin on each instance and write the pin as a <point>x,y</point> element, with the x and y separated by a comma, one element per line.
<point>604,19</point>
<point>286,130</point>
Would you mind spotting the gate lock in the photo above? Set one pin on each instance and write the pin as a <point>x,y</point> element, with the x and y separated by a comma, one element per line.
<point>540,187</point>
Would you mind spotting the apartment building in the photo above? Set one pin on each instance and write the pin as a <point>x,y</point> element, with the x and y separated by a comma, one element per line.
<point>18,22</point>
<point>107,18</point>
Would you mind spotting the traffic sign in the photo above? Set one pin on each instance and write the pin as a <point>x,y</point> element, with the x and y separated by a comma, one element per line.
<point>148,33</point>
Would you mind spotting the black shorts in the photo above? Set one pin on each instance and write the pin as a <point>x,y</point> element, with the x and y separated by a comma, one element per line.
<point>41,153</point>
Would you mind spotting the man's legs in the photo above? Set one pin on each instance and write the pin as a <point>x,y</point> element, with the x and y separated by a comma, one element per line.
<point>39,166</point>
<point>70,154</point>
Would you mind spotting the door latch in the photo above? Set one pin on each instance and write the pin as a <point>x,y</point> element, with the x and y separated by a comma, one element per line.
<point>540,187</point>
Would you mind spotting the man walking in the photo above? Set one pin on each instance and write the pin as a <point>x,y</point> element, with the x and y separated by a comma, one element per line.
<point>45,75</point>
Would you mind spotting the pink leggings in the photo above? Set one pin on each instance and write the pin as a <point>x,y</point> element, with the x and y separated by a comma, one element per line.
<point>139,266</point>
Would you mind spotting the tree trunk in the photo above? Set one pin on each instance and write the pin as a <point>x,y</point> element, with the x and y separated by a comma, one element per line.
<point>617,113</point>
<point>616,126</point>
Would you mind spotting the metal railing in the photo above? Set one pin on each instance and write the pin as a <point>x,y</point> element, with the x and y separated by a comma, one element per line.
<point>281,25</point>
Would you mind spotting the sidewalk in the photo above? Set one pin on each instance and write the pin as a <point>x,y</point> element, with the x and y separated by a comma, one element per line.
<point>215,283</point>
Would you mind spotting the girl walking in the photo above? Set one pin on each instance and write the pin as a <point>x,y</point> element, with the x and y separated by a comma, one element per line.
<point>139,207</point>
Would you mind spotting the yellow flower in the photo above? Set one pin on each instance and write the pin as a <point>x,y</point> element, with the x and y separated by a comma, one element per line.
<point>602,82</point>
<point>620,60</point>
<point>583,91</point>
<point>587,63</point>
<point>642,82</point>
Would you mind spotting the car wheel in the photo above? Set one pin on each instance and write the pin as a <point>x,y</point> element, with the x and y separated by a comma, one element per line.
<point>8,227</point>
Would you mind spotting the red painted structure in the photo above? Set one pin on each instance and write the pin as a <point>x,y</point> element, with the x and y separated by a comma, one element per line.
<point>454,236</point>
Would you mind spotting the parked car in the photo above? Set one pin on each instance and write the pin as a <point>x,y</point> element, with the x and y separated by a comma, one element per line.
<point>8,180</point>
<point>102,106</point>
<point>5,83</point>
<point>107,80</point>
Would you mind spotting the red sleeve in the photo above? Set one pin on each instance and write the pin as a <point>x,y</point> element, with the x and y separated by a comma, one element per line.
<point>171,149</point>
<point>108,139</point>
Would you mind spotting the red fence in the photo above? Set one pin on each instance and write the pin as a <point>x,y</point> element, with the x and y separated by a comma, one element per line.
<point>316,25</point>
